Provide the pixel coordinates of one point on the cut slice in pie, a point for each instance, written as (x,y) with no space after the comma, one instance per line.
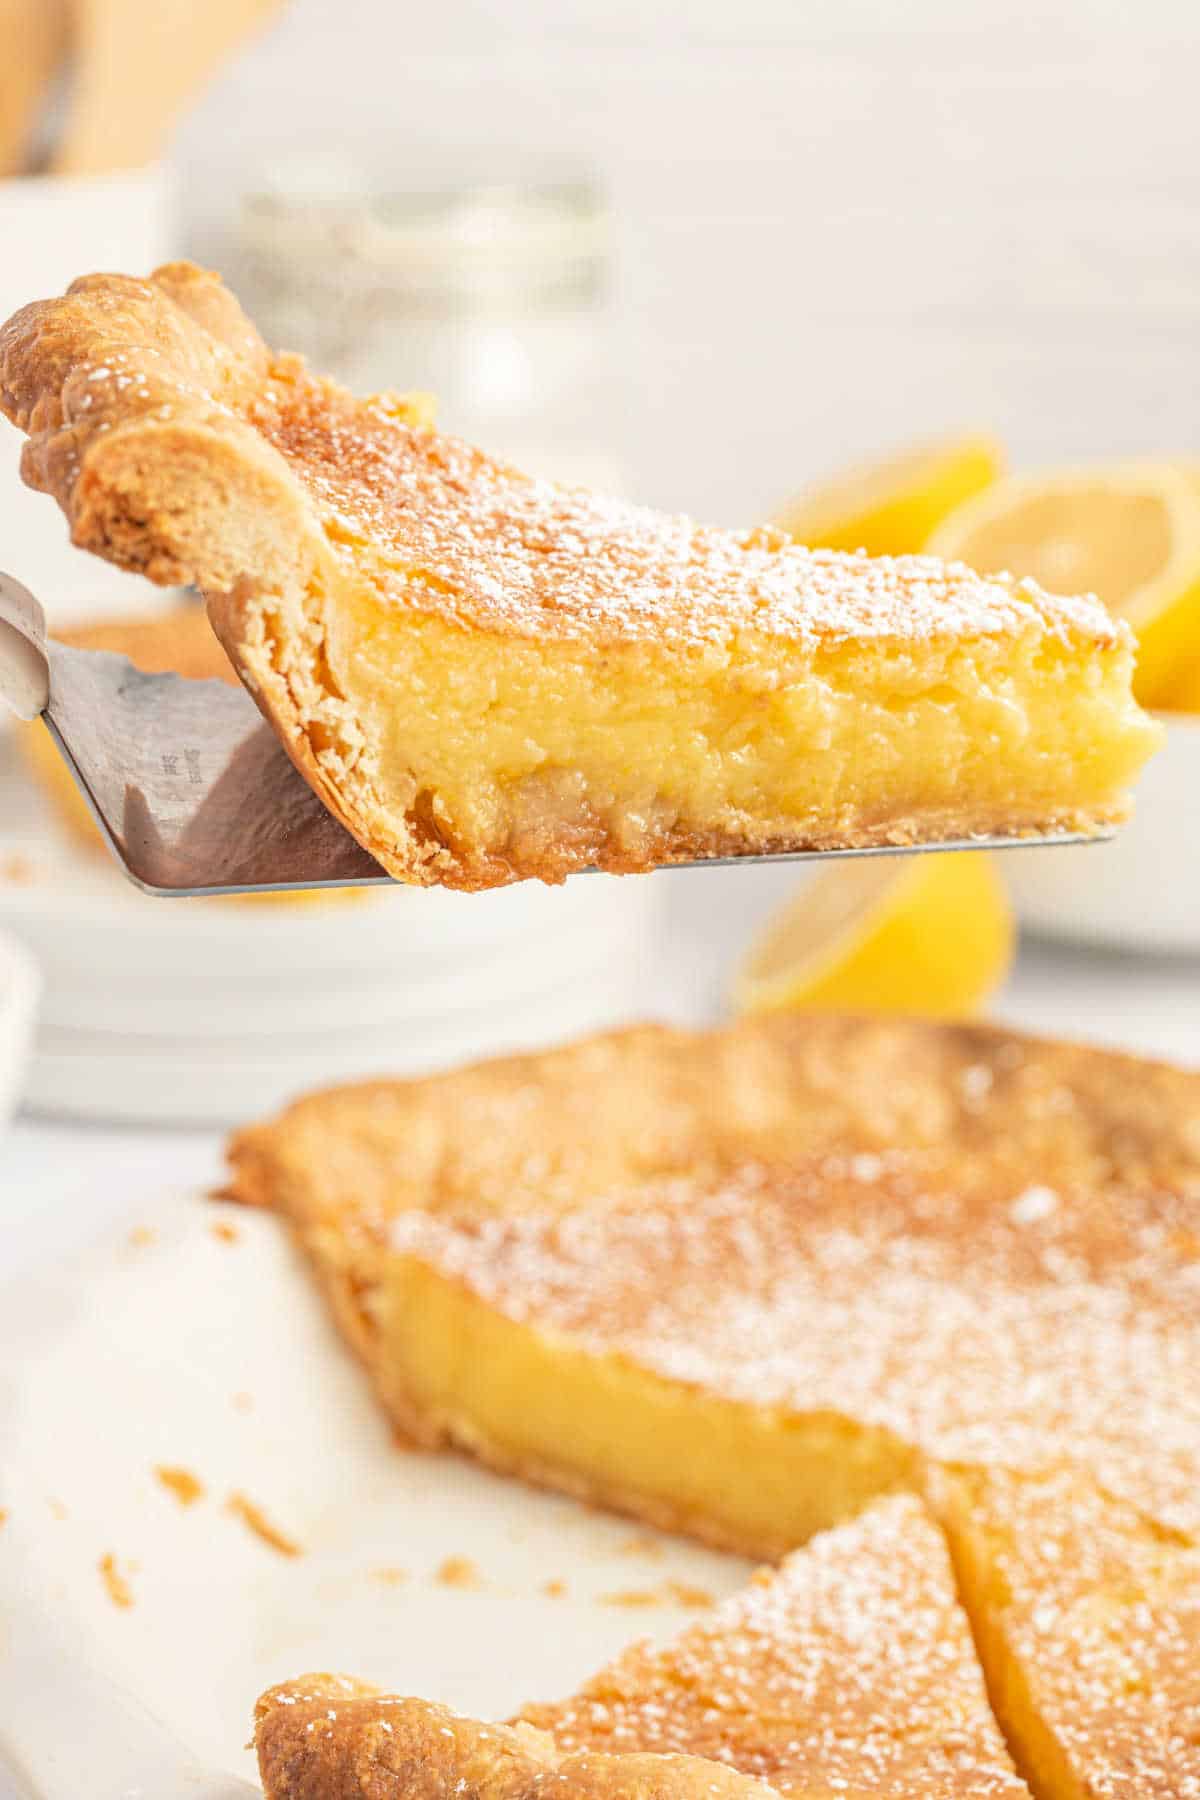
(487,677)
(849,1671)
(1087,1616)
(739,1283)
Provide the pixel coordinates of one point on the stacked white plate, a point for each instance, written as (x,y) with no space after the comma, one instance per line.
(204,1012)
(18,1004)
(1140,892)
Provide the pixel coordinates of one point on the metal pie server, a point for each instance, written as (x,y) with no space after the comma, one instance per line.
(192,790)
(190,787)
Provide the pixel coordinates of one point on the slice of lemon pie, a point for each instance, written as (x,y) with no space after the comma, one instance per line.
(1087,1617)
(487,677)
(849,1671)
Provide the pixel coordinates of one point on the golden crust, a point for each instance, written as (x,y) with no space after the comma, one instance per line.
(133,395)
(979,1246)
(849,1670)
(1012,1202)
(178,445)
(144,406)
(1087,1617)
(554,1128)
(327,1737)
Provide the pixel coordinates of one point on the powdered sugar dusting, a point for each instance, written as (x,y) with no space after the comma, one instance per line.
(1102,1614)
(442,527)
(455,530)
(850,1669)
(976,1332)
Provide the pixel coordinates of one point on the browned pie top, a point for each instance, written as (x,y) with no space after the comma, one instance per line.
(849,1670)
(1101,1611)
(178,444)
(592,1121)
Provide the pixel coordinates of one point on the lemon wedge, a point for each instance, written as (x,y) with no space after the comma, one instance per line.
(930,935)
(890,507)
(1130,534)
(1183,694)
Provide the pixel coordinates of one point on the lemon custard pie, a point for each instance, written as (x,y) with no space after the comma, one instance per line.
(738,1282)
(487,677)
(757,1283)
(852,1670)
(849,1670)
(1087,1615)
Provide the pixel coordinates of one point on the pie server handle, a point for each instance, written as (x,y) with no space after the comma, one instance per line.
(187,783)
(24,666)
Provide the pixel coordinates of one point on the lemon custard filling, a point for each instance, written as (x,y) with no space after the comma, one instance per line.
(516,736)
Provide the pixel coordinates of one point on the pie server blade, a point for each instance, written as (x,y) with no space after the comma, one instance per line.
(192,790)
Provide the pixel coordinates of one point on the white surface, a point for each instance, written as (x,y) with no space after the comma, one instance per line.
(1141,892)
(19,989)
(127,1371)
(217,1357)
(195,1012)
(842,224)
(148,1080)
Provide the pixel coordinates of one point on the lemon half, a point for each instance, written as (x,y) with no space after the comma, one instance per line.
(1129,534)
(929,934)
(890,507)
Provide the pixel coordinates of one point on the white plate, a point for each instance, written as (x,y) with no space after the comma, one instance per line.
(82,916)
(1141,892)
(242,1001)
(196,1012)
(216,1357)
(132,1079)
(19,988)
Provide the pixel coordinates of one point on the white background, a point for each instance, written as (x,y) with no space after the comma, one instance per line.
(840,224)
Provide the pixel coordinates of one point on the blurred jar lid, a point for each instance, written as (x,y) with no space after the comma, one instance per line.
(469,236)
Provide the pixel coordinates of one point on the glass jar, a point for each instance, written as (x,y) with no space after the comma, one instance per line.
(492,295)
